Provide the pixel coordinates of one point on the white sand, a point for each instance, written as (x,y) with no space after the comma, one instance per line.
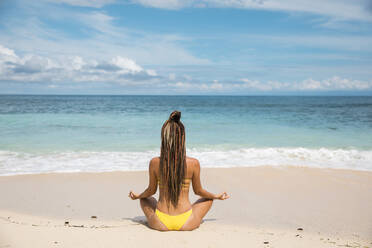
(333,207)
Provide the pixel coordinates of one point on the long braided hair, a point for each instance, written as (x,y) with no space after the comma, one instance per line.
(173,157)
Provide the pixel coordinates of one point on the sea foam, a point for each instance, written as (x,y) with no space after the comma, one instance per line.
(12,163)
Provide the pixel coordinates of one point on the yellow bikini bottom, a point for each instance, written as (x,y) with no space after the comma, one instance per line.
(173,222)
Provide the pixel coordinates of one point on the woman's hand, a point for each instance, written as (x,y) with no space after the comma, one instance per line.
(222,196)
(133,195)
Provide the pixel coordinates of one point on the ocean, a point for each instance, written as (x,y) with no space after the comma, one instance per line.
(44,133)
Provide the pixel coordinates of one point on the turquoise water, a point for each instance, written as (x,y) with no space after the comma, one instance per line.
(103,133)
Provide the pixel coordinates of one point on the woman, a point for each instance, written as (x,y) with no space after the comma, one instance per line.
(174,172)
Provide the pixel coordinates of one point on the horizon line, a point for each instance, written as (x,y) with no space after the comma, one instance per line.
(216,95)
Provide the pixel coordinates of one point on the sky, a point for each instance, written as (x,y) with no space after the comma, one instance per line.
(186,47)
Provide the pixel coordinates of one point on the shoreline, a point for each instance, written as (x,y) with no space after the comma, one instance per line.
(17,162)
(203,168)
(330,204)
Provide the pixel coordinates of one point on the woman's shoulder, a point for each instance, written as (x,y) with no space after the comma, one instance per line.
(192,161)
(154,163)
(155,160)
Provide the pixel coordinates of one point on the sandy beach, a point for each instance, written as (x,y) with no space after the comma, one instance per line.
(269,207)
(272,97)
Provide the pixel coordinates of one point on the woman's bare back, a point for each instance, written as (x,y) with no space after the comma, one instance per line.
(184,203)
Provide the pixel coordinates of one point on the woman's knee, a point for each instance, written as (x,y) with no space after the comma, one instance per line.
(205,202)
(201,207)
(149,201)
(143,201)
(190,228)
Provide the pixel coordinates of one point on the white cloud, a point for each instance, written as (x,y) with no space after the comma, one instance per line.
(341,9)
(183,85)
(151,72)
(126,65)
(334,83)
(34,68)
(190,86)
(165,4)
(84,3)
(331,84)
(337,9)
(120,70)
(248,85)
(342,42)
(77,62)
(216,85)
(339,42)
(7,52)
(254,84)
(102,39)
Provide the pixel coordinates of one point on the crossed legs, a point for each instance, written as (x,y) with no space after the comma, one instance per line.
(199,209)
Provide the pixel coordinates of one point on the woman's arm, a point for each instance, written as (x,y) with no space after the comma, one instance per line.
(151,189)
(198,189)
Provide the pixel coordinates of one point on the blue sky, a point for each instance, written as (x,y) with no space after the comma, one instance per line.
(265,47)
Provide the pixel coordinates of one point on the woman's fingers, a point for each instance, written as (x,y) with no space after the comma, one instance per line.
(224,196)
(132,195)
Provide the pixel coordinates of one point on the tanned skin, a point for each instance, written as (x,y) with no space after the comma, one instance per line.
(199,208)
